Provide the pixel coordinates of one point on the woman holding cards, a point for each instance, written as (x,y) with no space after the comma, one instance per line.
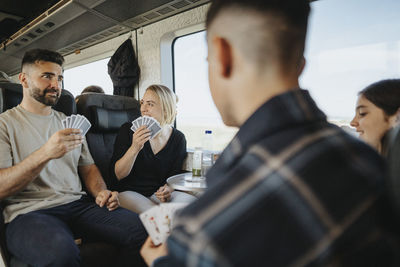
(142,163)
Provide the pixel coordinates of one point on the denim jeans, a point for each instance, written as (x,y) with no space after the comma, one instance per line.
(46,237)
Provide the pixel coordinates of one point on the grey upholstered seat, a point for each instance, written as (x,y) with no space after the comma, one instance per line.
(106,113)
(393,177)
(11,96)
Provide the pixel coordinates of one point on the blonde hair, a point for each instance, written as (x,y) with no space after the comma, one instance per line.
(168,101)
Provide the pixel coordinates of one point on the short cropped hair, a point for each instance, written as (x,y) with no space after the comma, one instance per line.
(280,30)
(168,101)
(384,94)
(93,89)
(35,55)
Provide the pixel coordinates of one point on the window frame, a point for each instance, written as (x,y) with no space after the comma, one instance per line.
(167,52)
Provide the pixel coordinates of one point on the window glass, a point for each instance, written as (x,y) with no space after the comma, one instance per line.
(350,45)
(196,109)
(94,73)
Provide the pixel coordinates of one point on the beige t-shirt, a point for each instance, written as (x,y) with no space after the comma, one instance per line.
(23,132)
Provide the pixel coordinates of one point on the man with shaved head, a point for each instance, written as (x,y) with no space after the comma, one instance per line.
(290,189)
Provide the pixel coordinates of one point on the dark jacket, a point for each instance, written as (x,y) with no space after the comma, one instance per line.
(124,69)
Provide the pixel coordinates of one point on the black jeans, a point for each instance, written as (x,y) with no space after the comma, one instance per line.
(46,237)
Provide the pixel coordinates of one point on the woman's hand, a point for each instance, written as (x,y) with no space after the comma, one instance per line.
(141,136)
(164,193)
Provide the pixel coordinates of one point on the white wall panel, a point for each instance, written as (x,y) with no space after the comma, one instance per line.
(149,43)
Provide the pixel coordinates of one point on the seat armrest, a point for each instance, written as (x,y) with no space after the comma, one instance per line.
(3,261)
(5,257)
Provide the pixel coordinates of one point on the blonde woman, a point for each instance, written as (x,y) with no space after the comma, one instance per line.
(142,165)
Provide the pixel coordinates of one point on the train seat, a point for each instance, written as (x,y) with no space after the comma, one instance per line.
(393,160)
(106,113)
(11,96)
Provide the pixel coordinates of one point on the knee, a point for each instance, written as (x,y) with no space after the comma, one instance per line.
(134,201)
(42,240)
(182,197)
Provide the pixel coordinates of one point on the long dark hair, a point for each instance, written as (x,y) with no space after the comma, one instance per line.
(384,94)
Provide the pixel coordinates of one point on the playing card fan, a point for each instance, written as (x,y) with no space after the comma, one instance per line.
(77,122)
(159,220)
(152,124)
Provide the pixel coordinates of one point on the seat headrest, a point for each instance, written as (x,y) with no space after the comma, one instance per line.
(107,113)
(11,95)
(393,176)
(109,120)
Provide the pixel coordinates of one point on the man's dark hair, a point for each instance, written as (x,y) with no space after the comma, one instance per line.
(289,35)
(384,94)
(34,55)
(93,89)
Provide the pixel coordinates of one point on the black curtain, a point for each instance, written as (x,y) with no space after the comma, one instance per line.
(124,69)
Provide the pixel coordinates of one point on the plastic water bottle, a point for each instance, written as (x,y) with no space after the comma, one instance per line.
(196,165)
(207,160)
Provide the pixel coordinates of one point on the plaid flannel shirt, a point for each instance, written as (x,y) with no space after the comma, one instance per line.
(290,189)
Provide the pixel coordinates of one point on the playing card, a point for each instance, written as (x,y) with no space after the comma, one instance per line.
(159,220)
(73,118)
(150,121)
(134,126)
(139,122)
(166,217)
(68,120)
(142,120)
(133,122)
(85,126)
(149,221)
(154,128)
(78,121)
(146,120)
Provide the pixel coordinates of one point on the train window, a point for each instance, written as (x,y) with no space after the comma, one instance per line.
(196,110)
(350,45)
(343,56)
(94,73)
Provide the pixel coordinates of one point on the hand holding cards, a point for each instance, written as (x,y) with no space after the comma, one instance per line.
(158,220)
(77,122)
(152,124)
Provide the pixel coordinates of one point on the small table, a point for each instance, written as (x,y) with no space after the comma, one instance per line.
(185,182)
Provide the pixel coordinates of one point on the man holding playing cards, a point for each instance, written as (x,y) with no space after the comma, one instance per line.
(40,161)
(290,189)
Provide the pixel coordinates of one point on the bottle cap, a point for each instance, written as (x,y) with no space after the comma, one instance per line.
(208,132)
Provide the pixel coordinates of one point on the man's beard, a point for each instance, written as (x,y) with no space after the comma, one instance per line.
(48,101)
